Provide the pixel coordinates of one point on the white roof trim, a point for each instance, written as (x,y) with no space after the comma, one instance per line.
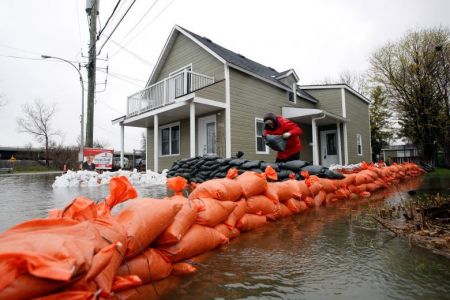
(335,86)
(118,120)
(169,42)
(295,112)
(291,72)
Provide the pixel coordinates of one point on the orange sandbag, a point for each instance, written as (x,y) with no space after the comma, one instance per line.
(144,219)
(149,266)
(120,190)
(281,212)
(214,211)
(348,180)
(304,190)
(79,209)
(228,231)
(250,221)
(296,206)
(329,186)
(176,184)
(69,295)
(223,189)
(199,239)
(331,198)
(237,213)
(309,201)
(183,269)
(315,188)
(271,173)
(125,282)
(260,205)
(252,183)
(294,188)
(180,225)
(36,262)
(278,192)
(319,198)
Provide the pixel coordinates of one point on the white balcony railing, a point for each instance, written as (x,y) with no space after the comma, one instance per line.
(166,91)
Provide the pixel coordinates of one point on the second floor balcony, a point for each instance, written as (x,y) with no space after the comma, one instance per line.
(166,91)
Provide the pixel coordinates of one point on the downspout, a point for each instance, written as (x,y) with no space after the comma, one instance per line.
(315,139)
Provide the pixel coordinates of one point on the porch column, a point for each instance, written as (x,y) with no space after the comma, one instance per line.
(155,143)
(345,145)
(192,127)
(122,143)
(338,130)
(316,156)
(315,143)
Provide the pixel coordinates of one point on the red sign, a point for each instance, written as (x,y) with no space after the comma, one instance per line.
(101,158)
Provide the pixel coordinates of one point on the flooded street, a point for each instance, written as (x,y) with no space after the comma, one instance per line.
(325,253)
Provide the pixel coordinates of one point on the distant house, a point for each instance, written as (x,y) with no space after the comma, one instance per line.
(204,99)
(400,153)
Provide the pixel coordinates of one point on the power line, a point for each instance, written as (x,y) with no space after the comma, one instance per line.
(110,16)
(117,25)
(140,20)
(134,54)
(146,26)
(18,49)
(20,57)
(118,77)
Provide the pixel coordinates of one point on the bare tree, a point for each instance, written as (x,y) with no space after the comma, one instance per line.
(98,143)
(355,80)
(37,122)
(414,73)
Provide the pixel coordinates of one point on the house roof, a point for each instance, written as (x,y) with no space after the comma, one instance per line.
(243,63)
(336,86)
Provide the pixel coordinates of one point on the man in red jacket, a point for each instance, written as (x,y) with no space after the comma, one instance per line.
(277,125)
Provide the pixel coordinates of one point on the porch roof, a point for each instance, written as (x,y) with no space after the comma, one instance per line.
(176,111)
(306,115)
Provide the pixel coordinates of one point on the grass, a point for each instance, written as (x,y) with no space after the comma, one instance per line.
(439,172)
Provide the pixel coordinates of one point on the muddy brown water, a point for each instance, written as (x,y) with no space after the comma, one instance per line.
(325,253)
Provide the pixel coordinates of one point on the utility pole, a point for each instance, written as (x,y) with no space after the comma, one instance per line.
(92,11)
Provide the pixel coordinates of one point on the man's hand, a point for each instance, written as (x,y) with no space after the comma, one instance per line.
(286,135)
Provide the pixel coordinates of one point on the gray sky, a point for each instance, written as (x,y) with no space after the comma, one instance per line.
(319,39)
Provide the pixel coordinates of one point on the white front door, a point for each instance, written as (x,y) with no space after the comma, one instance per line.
(207,135)
(328,148)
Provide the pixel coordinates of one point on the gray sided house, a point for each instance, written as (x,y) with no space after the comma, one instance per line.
(204,99)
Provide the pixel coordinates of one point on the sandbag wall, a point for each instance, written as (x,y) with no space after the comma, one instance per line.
(201,168)
(89,253)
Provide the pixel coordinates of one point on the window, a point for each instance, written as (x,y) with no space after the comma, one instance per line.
(331,144)
(359,144)
(261,147)
(291,97)
(170,139)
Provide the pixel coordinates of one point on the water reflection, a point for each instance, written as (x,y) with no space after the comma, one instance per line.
(325,253)
(24,197)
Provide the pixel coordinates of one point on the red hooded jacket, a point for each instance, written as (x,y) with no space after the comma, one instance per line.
(293,144)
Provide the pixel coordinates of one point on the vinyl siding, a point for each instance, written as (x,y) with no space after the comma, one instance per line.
(329,100)
(358,114)
(251,98)
(184,52)
(214,92)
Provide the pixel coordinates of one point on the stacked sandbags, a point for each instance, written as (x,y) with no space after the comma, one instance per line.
(88,252)
(199,169)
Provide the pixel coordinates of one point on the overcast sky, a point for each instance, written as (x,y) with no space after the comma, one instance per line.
(318,39)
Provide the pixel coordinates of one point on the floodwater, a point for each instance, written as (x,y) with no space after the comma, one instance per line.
(327,253)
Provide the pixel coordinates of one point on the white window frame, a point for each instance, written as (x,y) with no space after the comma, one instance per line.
(170,139)
(180,70)
(359,143)
(256,137)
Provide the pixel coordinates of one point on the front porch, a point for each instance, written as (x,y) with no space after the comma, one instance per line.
(328,132)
